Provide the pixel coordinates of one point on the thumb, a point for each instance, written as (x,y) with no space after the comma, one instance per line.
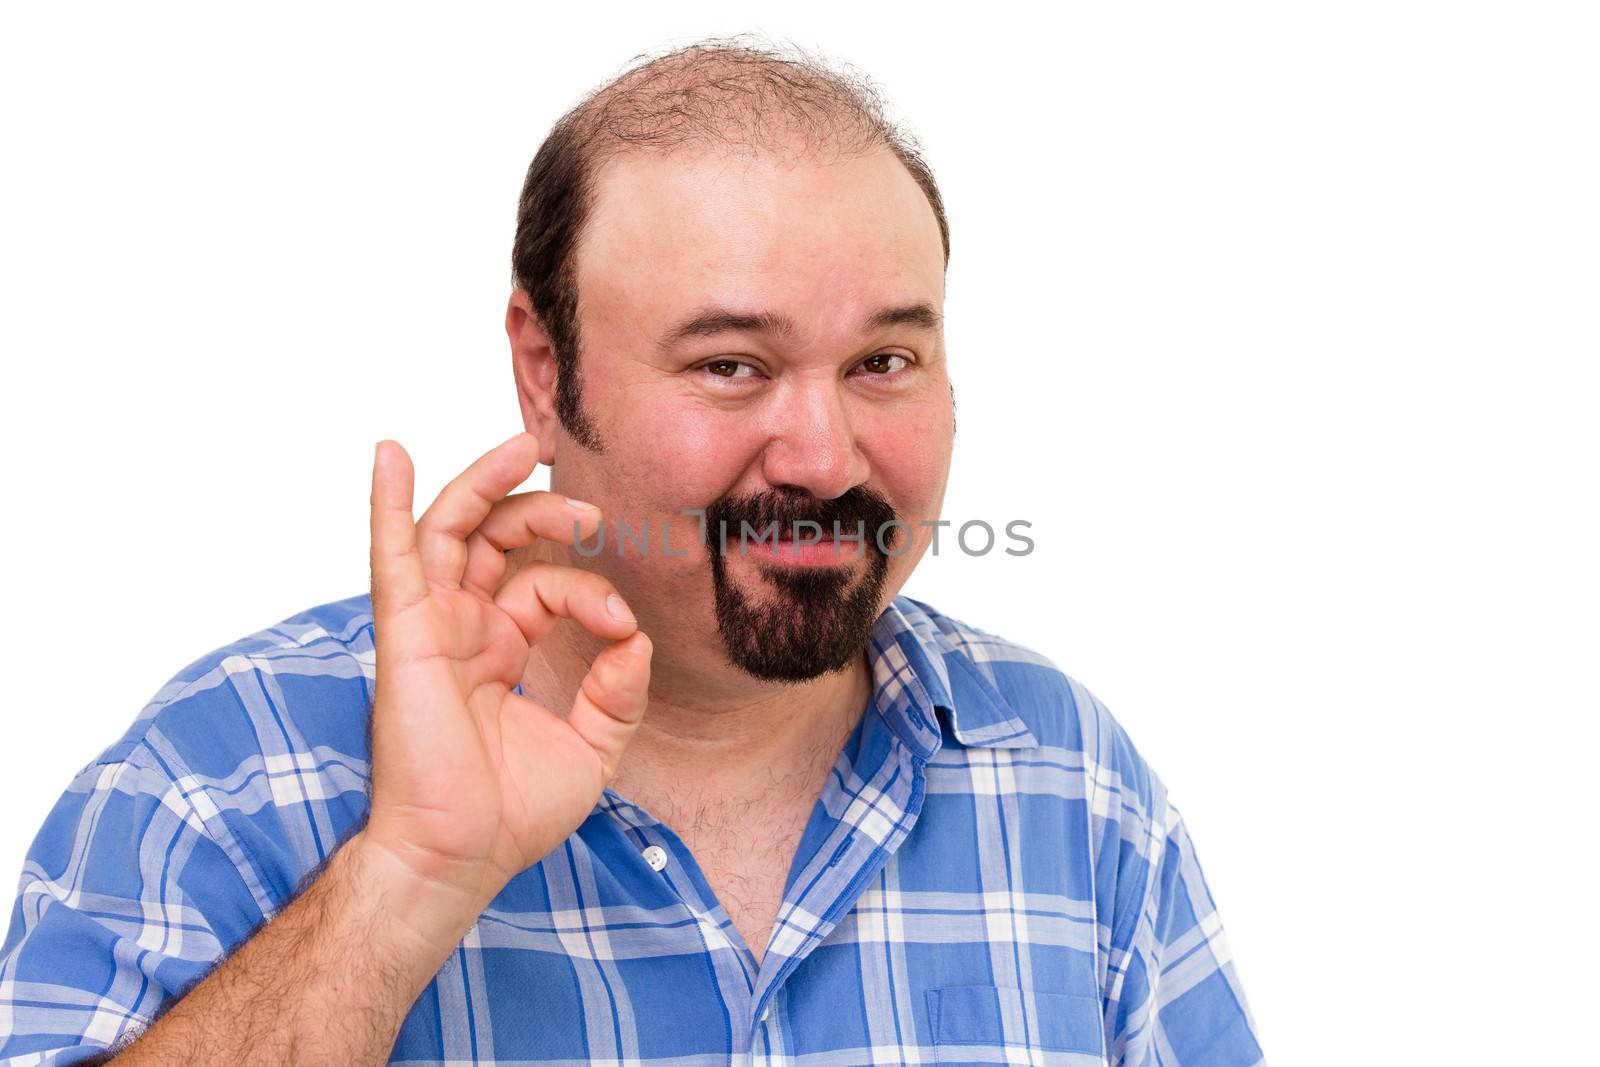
(612,698)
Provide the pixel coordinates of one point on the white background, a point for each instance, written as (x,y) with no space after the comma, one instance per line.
(1279,324)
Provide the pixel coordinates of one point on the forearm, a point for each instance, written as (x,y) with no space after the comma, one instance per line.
(328,980)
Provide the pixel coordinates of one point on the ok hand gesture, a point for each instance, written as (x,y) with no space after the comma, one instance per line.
(472,783)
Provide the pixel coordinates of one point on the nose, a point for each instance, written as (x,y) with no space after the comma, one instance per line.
(812,442)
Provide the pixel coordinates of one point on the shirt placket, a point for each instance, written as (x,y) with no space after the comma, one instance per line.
(878,812)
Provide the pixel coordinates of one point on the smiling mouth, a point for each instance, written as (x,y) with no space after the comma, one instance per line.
(826,552)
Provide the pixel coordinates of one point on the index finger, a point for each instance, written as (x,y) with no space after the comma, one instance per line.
(397,580)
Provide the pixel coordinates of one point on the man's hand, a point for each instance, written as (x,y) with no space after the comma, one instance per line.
(472,783)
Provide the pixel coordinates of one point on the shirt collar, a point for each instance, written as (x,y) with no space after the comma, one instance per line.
(918,668)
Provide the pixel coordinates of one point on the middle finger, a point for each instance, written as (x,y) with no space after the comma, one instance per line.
(519,520)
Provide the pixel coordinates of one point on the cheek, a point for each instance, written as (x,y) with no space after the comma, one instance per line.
(667,456)
(910,460)
(661,458)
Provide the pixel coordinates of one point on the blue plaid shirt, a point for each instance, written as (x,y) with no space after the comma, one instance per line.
(992,875)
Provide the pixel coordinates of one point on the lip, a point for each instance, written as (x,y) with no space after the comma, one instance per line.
(824,553)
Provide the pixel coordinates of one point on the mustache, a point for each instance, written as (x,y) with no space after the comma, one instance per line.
(856,509)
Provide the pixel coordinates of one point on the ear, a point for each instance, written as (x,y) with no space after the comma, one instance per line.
(533,362)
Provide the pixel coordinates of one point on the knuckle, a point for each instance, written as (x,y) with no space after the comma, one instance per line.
(597,586)
(612,673)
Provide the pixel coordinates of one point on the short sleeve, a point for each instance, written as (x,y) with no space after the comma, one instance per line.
(1180,1003)
(1170,995)
(125,900)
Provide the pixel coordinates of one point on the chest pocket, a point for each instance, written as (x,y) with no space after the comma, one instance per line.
(976,1024)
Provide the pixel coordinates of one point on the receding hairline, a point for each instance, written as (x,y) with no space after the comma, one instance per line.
(737,94)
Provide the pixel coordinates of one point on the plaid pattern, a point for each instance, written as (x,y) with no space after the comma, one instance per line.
(991,876)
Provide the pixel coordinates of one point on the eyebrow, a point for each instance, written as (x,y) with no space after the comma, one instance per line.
(712,321)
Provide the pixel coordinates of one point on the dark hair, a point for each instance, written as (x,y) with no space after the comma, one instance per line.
(729,90)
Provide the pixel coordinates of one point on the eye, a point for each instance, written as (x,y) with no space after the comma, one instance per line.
(728,368)
(882,364)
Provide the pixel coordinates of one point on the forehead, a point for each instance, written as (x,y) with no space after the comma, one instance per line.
(666,230)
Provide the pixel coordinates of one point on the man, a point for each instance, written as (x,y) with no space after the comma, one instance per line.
(804,820)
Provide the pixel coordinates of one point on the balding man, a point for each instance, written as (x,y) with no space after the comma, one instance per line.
(481,817)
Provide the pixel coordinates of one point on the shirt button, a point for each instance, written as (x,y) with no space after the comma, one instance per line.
(655,856)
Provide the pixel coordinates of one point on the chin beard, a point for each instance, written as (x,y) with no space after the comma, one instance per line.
(811,623)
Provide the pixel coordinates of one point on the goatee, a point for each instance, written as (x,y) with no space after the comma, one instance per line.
(814,620)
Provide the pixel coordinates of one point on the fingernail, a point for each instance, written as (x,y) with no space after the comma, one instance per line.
(618,609)
(583,504)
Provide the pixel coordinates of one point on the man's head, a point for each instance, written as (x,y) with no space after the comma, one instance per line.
(729,274)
